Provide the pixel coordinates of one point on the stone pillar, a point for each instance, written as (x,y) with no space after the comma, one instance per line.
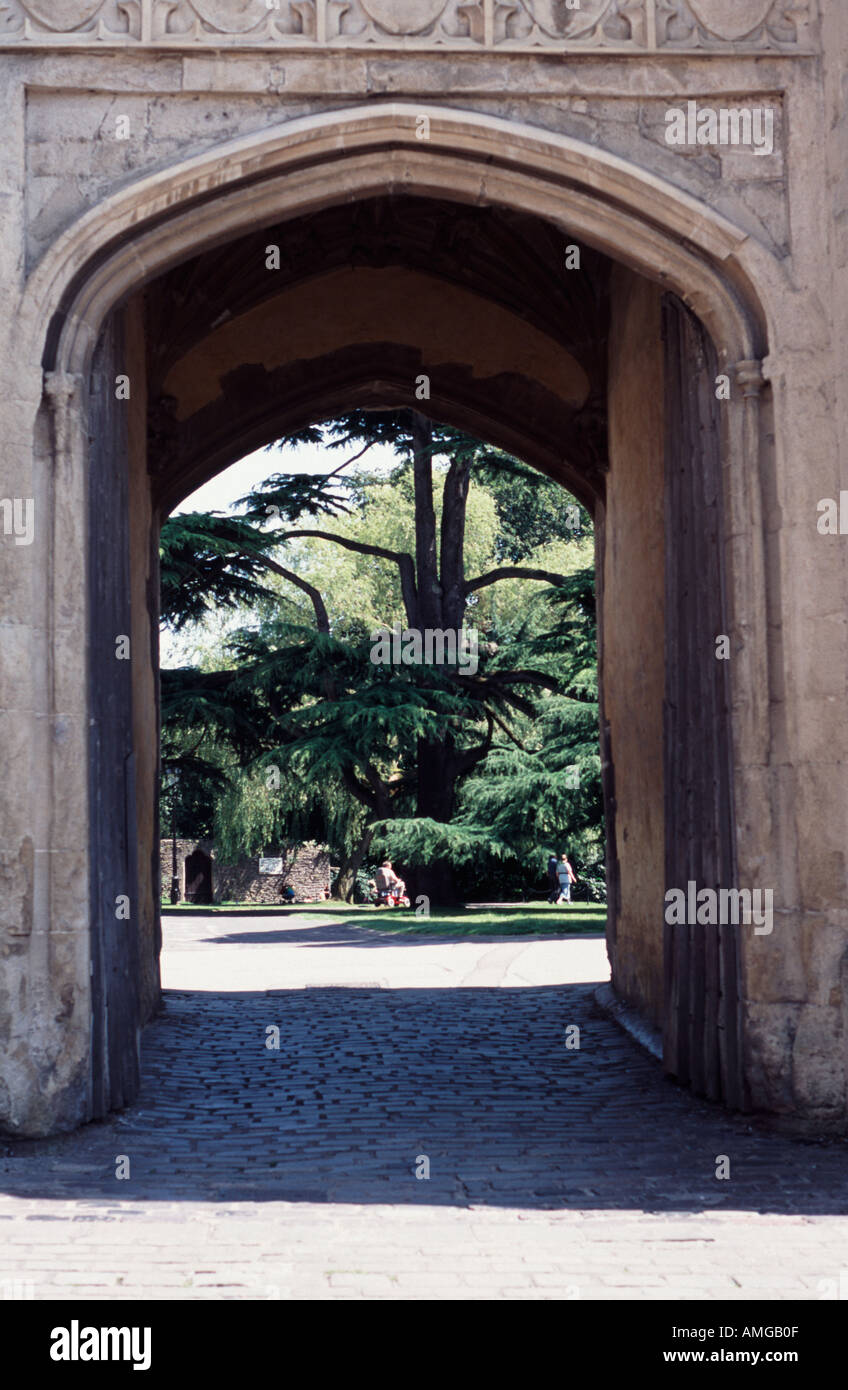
(792,825)
(45,994)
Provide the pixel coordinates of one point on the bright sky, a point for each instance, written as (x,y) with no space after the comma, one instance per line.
(223,491)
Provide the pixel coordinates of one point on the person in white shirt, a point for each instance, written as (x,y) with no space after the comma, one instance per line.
(566,876)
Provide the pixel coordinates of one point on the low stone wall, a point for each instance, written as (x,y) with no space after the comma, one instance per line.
(306,867)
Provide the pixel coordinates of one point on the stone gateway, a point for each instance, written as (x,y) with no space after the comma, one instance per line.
(423,168)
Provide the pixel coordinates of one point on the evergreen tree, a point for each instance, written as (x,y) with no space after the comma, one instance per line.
(539,790)
(401,741)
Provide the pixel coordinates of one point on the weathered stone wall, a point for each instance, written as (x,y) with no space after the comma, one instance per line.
(166,860)
(45,918)
(792,800)
(306,867)
(176,109)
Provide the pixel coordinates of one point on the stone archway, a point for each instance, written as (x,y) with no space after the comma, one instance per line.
(630,217)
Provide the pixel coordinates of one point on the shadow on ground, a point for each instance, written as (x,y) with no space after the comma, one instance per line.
(358,930)
(339,934)
(368,1082)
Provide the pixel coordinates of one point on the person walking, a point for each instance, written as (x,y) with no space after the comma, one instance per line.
(565,877)
(553,881)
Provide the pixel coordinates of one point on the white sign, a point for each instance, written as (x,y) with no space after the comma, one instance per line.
(270,866)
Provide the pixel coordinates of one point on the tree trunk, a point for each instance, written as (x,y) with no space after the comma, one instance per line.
(437,774)
(437,770)
(452,556)
(426,558)
(346,881)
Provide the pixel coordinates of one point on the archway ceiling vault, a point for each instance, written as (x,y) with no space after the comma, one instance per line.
(512,264)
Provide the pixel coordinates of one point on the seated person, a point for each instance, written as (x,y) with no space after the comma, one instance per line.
(387,882)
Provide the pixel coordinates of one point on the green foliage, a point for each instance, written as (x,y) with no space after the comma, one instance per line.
(213,707)
(532,510)
(298,734)
(538,792)
(190,788)
(209,728)
(421,840)
(249,818)
(209,561)
(362,890)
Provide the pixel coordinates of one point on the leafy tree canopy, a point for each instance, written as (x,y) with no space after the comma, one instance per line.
(454,771)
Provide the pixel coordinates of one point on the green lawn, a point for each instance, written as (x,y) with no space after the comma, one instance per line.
(519,919)
(523,919)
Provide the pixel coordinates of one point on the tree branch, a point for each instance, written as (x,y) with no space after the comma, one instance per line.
(511,572)
(322,620)
(349,461)
(508,731)
(518,677)
(471,756)
(355,787)
(405,562)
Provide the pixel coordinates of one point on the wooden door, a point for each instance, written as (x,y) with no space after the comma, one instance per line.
(198,877)
(115,1023)
(702,1012)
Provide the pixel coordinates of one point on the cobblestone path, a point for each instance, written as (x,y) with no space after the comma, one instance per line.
(256,1172)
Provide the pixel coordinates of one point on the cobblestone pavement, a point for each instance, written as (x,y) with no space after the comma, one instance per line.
(553,1172)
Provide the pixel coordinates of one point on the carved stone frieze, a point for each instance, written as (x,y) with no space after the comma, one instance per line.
(782,26)
(70,22)
(61,14)
(761,25)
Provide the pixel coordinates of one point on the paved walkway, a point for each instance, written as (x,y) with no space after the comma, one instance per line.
(553,1172)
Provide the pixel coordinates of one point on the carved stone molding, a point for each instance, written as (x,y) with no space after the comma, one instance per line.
(750,376)
(743,25)
(637,26)
(63,391)
(70,22)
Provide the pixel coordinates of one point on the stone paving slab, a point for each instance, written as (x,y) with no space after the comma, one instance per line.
(258,1172)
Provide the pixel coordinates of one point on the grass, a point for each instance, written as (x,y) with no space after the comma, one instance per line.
(517,919)
(521,919)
